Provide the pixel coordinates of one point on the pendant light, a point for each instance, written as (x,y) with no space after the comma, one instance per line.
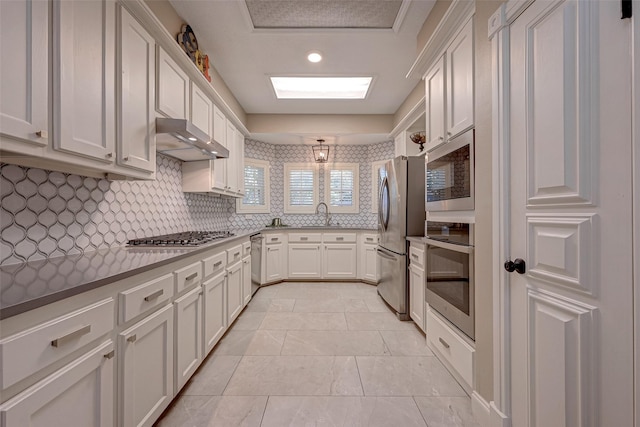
(321,152)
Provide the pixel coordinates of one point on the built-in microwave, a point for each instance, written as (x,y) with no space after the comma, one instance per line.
(450,175)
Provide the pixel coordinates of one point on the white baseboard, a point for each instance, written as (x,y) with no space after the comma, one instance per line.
(487,414)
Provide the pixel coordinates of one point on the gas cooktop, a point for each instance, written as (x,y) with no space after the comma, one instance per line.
(187,238)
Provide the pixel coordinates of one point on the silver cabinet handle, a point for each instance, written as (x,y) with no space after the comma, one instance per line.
(217,264)
(132,338)
(109,155)
(154,295)
(70,336)
(443,342)
(339,238)
(236,254)
(42,134)
(369,239)
(414,256)
(246,261)
(274,239)
(110,354)
(191,276)
(441,138)
(125,158)
(449,133)
(304,238)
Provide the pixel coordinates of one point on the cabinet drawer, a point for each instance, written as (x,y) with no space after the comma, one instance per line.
(451,347)
(135,301)
(214,264)
(305,237)
(29,351)
(339,237)
(188,277)
(370,239)
(271,239)
(416,255)
(246,249)
(234,254)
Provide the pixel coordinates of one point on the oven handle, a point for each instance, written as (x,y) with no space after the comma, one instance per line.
(450,246)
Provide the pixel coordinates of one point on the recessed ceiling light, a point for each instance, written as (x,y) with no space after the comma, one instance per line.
(192,138)
(321,87)
(314,56)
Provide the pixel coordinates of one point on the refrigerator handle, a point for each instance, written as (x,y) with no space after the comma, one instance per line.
(384,254)
(383,217)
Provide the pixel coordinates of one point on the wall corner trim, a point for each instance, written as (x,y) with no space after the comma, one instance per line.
(486,413)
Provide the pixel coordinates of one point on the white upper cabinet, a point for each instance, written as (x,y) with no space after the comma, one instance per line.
(460,82)
(173,88)
(24,51)
(136,101)
(240,162)
(201,110)
(232,168)
(219,126)
(449,91)
(83,78)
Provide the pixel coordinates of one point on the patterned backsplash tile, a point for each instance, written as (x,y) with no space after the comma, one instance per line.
(45,214)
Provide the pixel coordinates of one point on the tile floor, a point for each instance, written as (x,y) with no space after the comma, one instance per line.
(320,354)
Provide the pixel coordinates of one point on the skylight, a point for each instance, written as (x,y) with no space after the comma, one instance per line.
(321,87)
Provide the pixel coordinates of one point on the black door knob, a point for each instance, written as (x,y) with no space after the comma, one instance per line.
(519,266)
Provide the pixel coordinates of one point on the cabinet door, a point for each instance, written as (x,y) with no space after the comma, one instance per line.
(416,295)
(81,393)
(215,310)
(435,105)
(234,295)
(400,145)
(136,101)
(370,263)
(339,261)
(188,345)
(84,81)
(232,161)
(146,369)
(173,88)
(24,33)
(246,280)
(460,82)
(240,161)
(305,261)
(219,126)
(201,110)
(274,261)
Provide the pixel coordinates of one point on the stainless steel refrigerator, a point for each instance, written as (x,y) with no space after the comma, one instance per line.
(401,213)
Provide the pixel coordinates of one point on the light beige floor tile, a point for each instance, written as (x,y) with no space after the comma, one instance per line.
(446,411)
(304,321)
(204,411)
(270,305)
(376,322)
(249,321)
(295,375)
(376,304)
(334,343)
(307,292)
(212,377)
(256,343)
(406,376)
(359,290)
(267,292)
(406,343)
(330,306)
(295,411)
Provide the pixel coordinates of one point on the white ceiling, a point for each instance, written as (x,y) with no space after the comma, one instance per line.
(245,57)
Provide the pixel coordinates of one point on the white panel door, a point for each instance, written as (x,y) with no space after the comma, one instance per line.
(416,296)
(571,216)
(240,161)
(274,262)
(215,310)
(136,101)
(305,261)
(460,82)
(234,295)
(146,369)
(246,280)
(24,35)
(232,161)
(219,126)
(188,338)
(80,393)
(435,105)
(173,88)
(369,263)
(201,110)
(339,261)
(84,81)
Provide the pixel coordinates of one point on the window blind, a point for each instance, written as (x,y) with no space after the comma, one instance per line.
(341,187)
(301,187)
(254,186)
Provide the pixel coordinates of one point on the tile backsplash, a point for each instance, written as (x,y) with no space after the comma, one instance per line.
(46,214)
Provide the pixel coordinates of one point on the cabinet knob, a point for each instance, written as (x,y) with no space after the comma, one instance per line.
(42,134)
(449,134)
(125,158)
(108,155)
(132,338)
(110,355)
(441,138)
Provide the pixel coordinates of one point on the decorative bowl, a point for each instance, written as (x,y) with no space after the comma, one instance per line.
(419,138)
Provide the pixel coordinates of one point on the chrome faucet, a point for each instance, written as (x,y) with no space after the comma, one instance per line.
(327,217)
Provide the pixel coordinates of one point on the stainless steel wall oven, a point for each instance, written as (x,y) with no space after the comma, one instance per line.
(449,273)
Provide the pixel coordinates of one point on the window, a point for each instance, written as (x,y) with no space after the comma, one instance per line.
(256,188)
(375,183)
(300,188)
(341,187)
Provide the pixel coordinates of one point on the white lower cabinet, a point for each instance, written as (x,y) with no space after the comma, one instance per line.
(305,261)
(368,267)
(188,344)
(339,261)
(246,280)
(416,296)
(214,311)
(274,262)
(80,393)
(146,369)
(234,294)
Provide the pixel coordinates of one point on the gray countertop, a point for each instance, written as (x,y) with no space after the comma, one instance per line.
(30,285)
(417,239)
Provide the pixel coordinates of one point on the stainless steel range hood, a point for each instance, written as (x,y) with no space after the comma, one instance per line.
(181,139)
